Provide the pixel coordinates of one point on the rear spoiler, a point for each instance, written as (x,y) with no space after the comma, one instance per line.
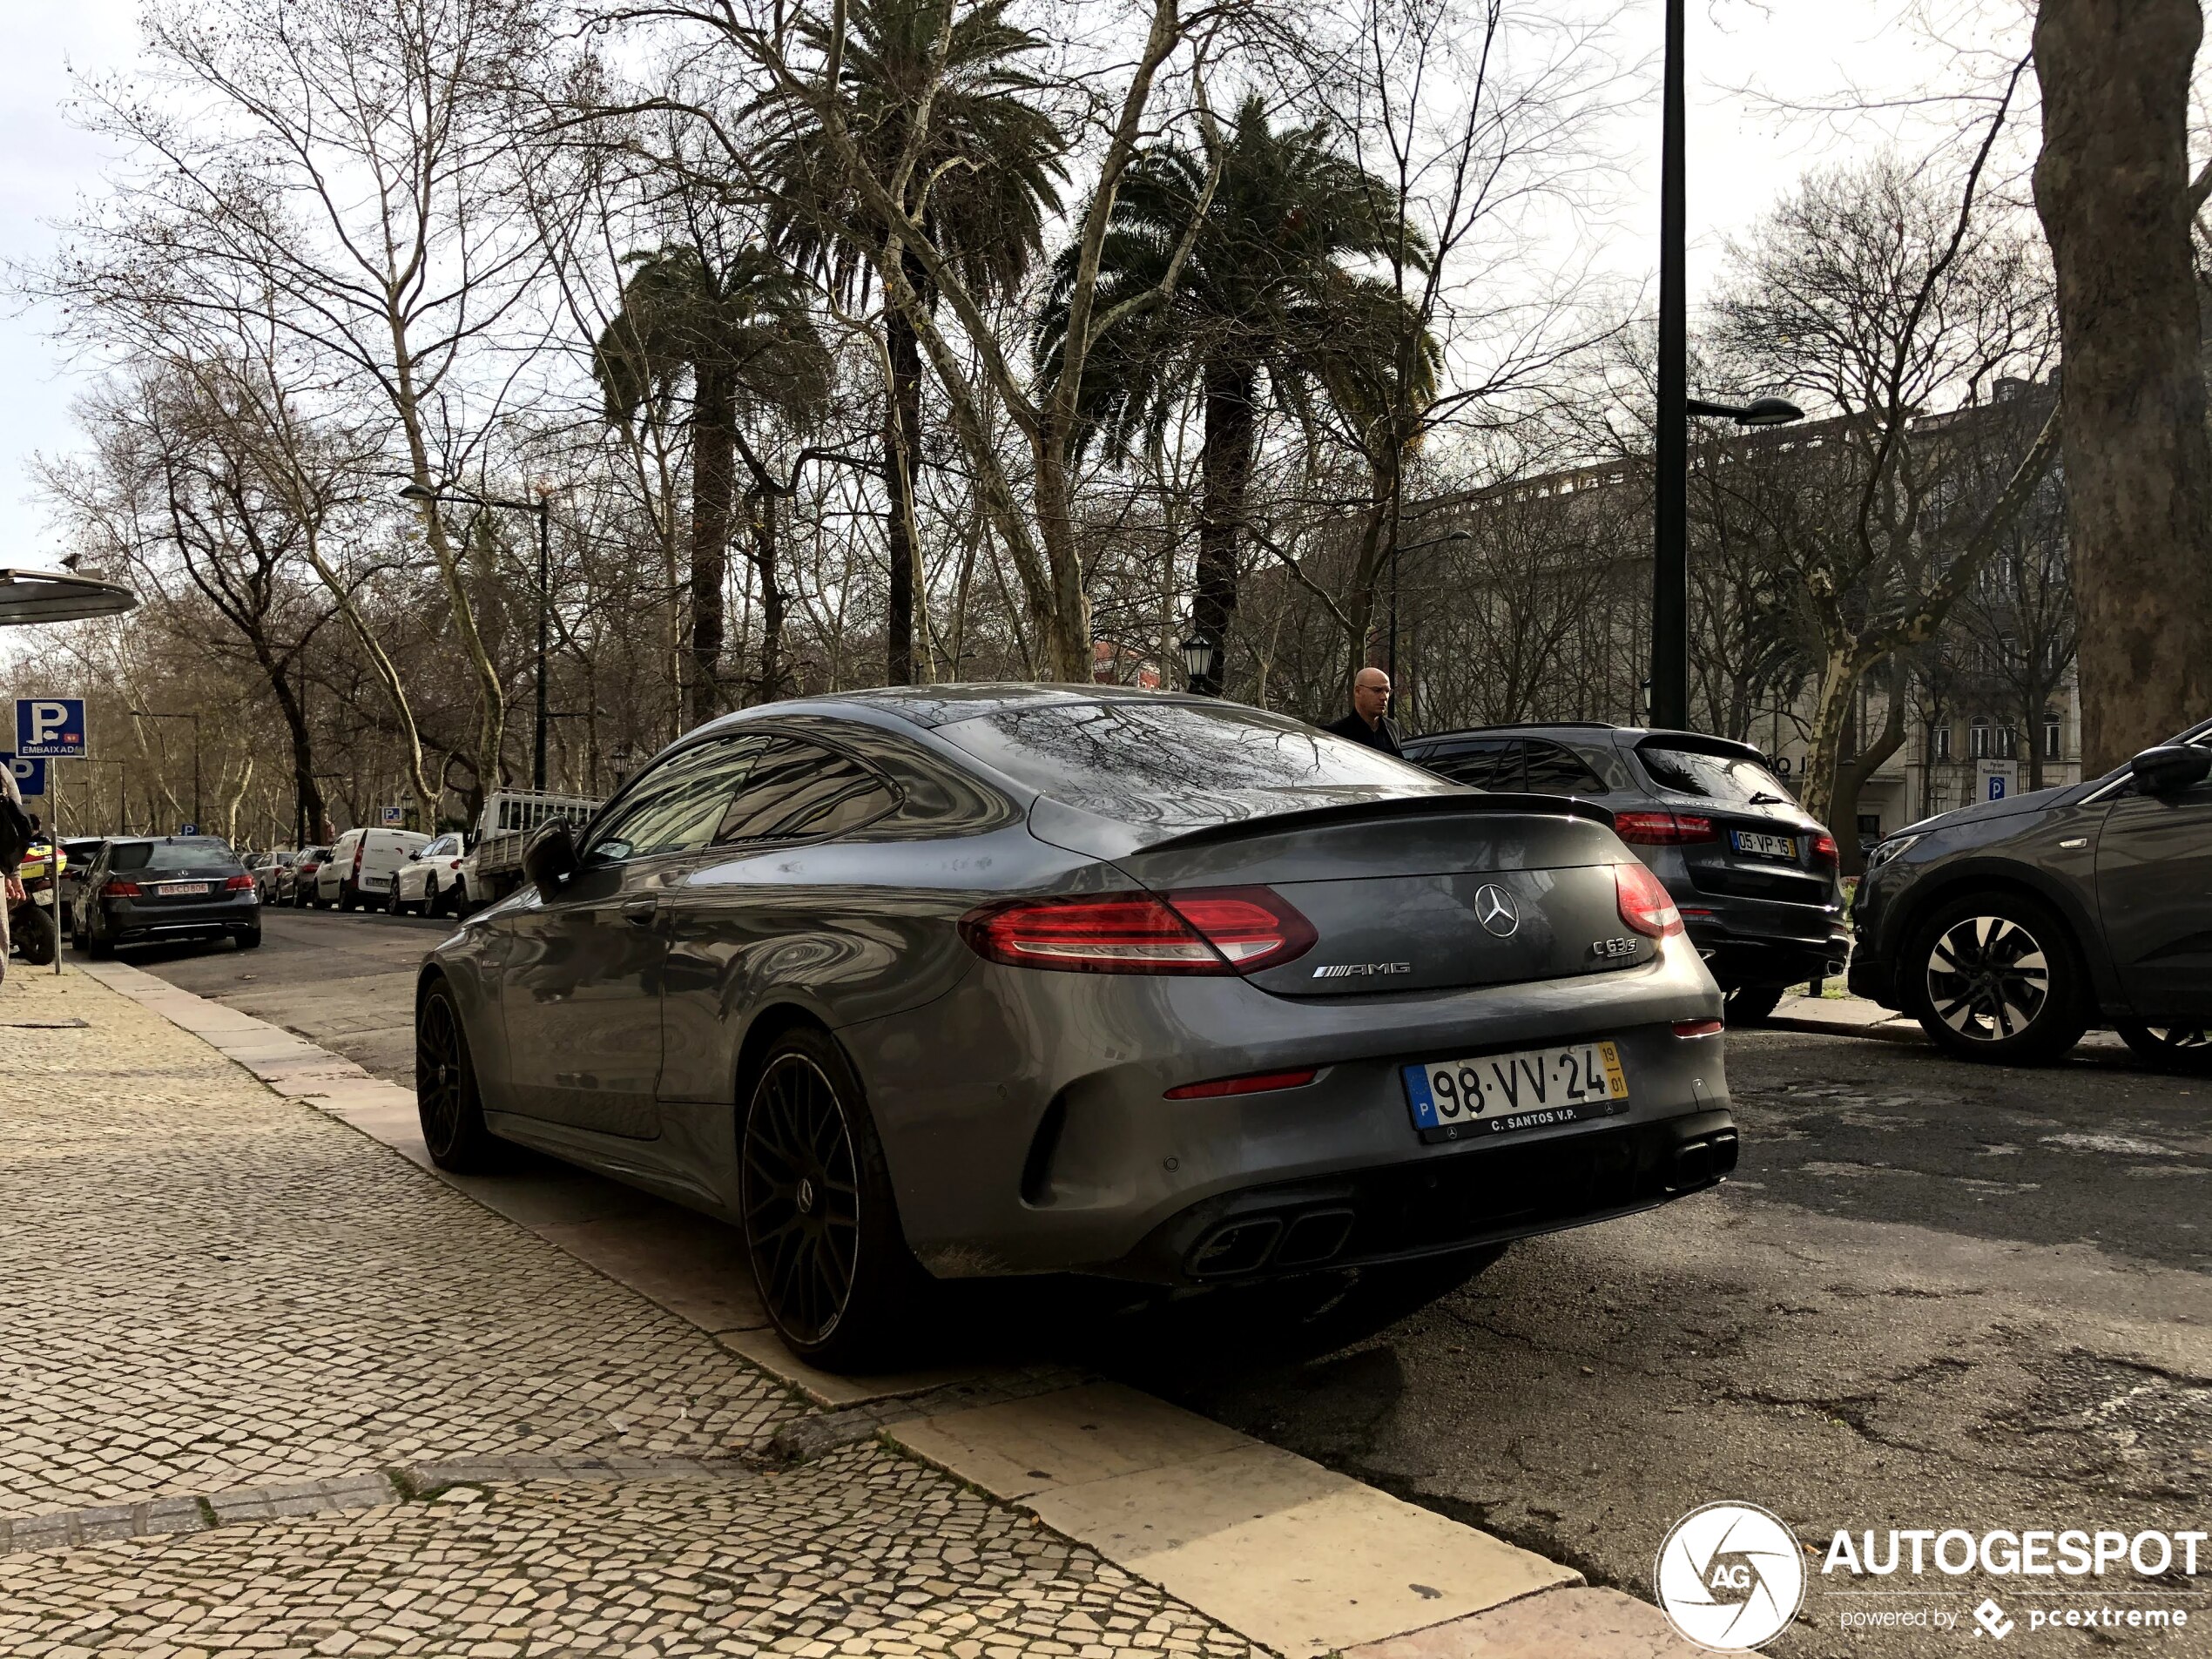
(1480,801)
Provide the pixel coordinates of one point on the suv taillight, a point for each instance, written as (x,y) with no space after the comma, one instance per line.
(1645,907)
(1663,829)
(1218,930)
(1823,848)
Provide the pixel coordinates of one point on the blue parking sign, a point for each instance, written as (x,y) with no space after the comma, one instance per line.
(31,775)
(49,728)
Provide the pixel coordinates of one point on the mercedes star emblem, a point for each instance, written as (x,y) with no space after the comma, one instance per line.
(1494,909)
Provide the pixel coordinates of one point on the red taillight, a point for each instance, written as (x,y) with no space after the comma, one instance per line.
(360,847)
(1663,829)
(1644,904)
(1258,1083)
(1219,930)
(1823,847)
(119,888)
(239,884)
(1698,1028)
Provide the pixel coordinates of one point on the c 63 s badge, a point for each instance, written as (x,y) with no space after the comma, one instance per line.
(1606,949)
(1348,970)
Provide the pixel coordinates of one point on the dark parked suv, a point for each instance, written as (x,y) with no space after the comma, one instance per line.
(2009,927)
(144,888)
(1753,876)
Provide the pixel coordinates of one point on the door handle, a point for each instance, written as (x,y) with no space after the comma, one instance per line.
(639,913)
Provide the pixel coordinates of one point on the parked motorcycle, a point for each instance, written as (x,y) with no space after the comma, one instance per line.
(33,895)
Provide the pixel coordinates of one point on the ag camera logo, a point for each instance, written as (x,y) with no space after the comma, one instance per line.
(1730,1576)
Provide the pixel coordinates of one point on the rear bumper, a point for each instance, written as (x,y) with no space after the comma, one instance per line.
(1744,947)
(126,921)
(1050,1145)
(1487,1194)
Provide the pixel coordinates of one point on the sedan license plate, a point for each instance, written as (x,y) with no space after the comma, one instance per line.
(186,890)
(1765,846)
(1494,1094)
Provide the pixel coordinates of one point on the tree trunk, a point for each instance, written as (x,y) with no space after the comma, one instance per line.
(714,474)
(772,601)
(2111,186)
(902,442)
(1225,460)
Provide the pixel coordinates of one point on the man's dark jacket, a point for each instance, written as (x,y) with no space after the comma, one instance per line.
(1380,735)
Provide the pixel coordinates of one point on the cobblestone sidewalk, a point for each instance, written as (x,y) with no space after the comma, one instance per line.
(205,1288)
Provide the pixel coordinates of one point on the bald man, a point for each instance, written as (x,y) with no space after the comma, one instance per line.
(1369,721)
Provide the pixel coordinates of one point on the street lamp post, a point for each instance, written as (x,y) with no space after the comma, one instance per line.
(1669,700)
(148,714)
(1201,661)
(1395,549)
(1668,704)
(543,508)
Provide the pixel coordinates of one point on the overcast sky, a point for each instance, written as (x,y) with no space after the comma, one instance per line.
(1741,155)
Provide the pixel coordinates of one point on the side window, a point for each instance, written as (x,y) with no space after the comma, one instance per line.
(677,805)
(799,792)
(1488,763)
(1553,769)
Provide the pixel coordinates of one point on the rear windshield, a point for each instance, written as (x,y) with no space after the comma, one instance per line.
(1730,779)
(173,855)
(1111,755)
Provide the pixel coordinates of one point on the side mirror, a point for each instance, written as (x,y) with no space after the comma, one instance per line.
(2170,768)
(549,857)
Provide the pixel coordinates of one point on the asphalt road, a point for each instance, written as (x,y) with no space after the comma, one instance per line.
(1937,1295)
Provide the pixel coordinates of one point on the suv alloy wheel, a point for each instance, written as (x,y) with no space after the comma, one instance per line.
(1994,977)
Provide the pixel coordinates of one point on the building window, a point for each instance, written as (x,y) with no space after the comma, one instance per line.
(2054,735)
(1990,740)
(1940,742)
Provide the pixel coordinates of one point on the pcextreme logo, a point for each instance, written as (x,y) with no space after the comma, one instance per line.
(1730,1576)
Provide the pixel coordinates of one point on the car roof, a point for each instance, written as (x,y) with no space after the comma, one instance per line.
(1635,735)
(929,706)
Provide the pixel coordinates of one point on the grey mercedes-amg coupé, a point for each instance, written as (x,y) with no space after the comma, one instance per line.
(958,981)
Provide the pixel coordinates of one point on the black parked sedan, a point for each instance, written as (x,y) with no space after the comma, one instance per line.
(146,888)
(971,982)
(2010,927)
(1754,875)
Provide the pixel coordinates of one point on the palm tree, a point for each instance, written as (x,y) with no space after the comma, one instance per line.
(743,332)
(1265,305)
(984,176)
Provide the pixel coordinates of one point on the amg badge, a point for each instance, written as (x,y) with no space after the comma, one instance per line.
(1346,970)
(1607,948)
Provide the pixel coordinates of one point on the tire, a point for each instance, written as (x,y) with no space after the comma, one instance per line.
(1750,1004)
(250,940)
(2187,1049)
(98,949)
(392,905)
(446,1098)
(348,899)
(34,936)
(821,1227)
(1994,977)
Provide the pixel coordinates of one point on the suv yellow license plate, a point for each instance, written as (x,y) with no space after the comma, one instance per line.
(1495,1093)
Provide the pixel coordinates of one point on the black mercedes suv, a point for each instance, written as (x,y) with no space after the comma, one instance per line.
(2009,927)
(1752,874)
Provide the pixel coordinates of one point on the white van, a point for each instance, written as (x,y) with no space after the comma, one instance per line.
(361,862)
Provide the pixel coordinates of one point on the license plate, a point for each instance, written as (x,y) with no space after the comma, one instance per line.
(1495,1093)
(1765,846)
(186,890)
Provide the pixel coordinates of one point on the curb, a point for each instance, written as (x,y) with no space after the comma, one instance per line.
(1303,1561)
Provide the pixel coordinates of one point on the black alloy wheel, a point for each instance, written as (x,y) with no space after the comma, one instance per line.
(820,1228)
(445,1089)
(2185,1049)
(1993,976)
(392,899)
